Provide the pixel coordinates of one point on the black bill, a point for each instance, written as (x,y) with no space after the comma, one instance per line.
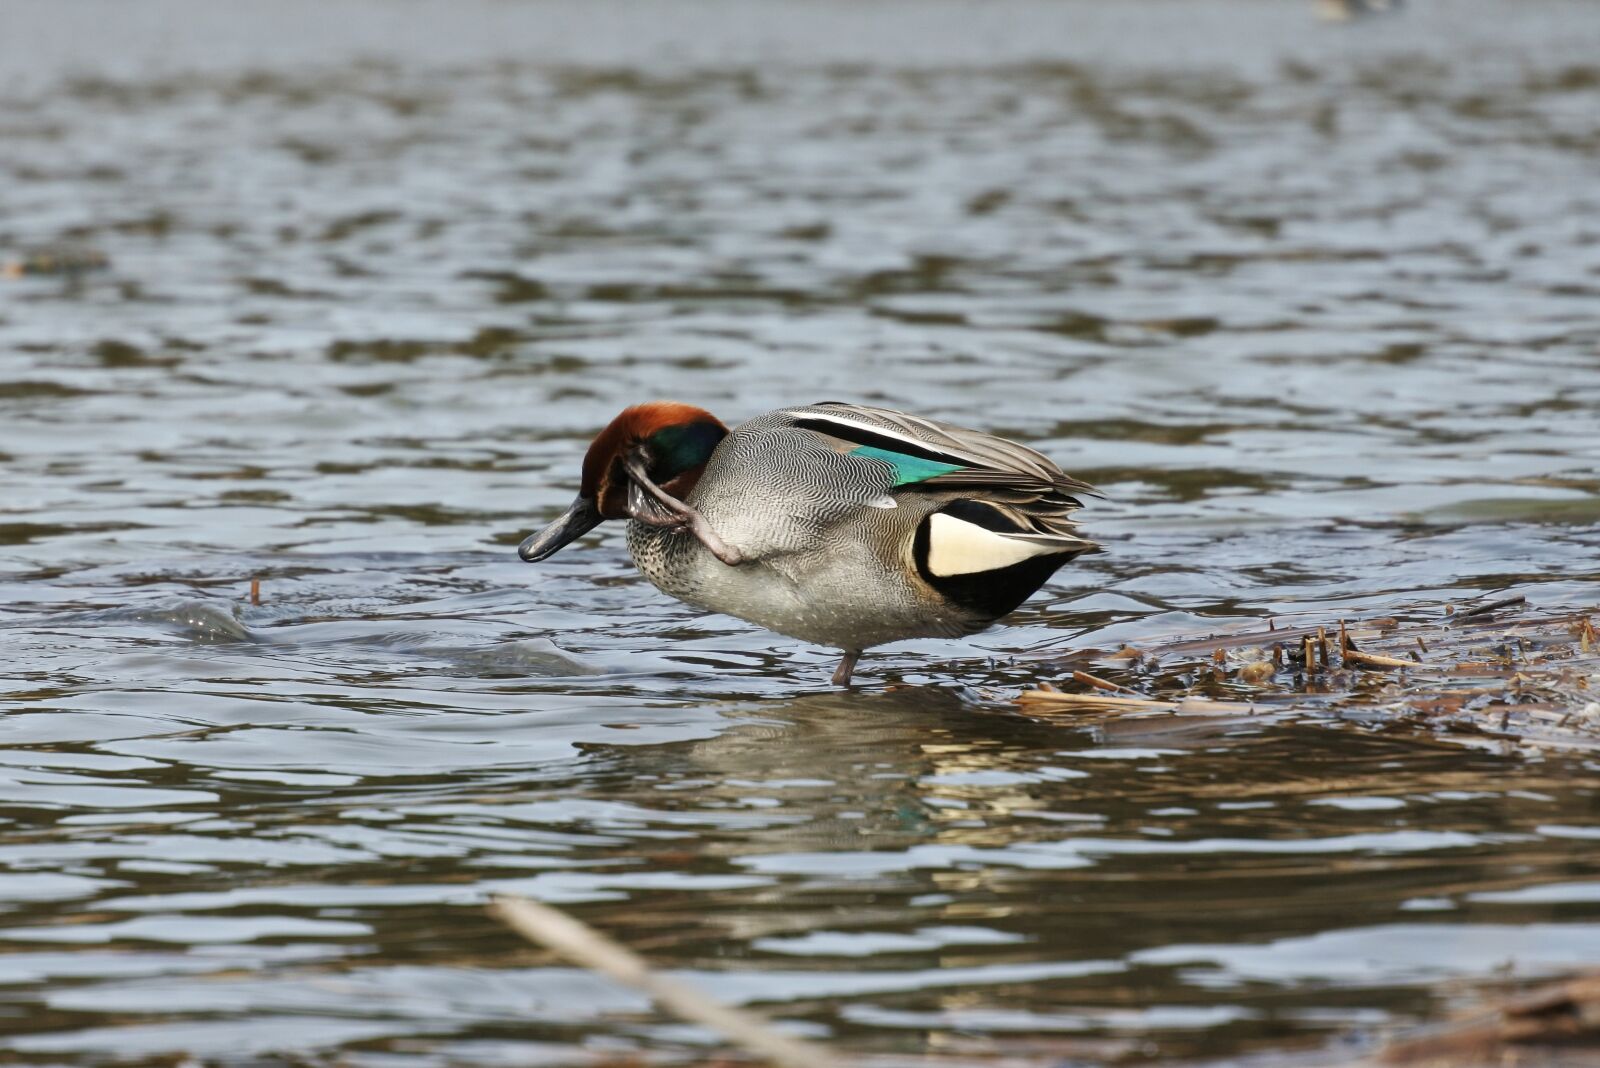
(575,522)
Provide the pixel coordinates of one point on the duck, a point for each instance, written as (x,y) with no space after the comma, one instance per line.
(839,524)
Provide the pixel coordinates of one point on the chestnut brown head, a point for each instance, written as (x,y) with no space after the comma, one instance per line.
(667,441)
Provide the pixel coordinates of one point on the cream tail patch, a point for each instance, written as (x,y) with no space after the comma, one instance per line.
(956,547)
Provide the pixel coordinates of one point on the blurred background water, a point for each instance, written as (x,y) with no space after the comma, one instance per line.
(1316,306)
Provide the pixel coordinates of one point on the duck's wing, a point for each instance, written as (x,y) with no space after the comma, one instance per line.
(1016,492)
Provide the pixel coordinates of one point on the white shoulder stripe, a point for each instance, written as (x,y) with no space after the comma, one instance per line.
(956,547)
(921,446)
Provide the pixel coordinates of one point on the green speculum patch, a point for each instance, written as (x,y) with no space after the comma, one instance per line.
(908,470)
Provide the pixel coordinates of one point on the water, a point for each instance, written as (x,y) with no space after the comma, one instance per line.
(1315,307)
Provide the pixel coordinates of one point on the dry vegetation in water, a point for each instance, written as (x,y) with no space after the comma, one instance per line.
(1498,670)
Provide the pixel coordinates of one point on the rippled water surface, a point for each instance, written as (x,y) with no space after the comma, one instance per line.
(1318,307)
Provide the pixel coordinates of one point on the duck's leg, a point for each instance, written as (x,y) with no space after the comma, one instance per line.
(847,666)
(667,511)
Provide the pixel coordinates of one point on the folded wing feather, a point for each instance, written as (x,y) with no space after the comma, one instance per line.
(936,440)
(1035,497)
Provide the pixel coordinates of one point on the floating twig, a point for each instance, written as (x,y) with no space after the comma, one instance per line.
(1492,606)
(1353,656)
(588,948)
(1105,702)
(1099,683)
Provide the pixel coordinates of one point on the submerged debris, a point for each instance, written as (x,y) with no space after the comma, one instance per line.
(1530,678)
(65,261)
(1555,1024)
(1349,10)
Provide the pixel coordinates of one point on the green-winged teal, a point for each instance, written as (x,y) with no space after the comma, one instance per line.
(834,523)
